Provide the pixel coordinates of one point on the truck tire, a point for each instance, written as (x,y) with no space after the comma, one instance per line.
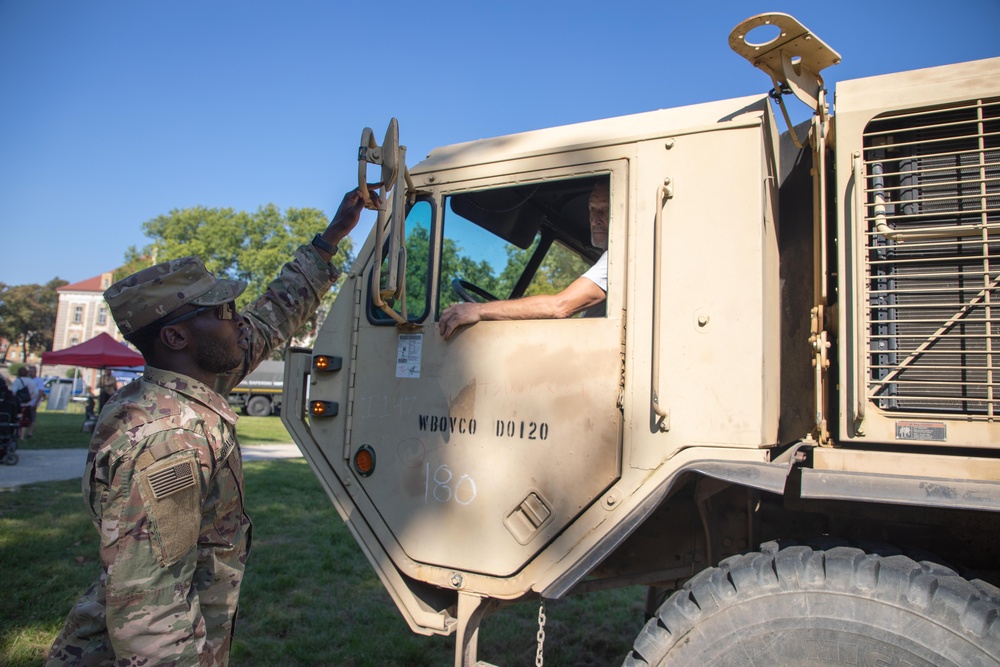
(259,406)
(843,605)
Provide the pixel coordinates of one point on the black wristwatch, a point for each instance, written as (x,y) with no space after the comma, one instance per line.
(324,245)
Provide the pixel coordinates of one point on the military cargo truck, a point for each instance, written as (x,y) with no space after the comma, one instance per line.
(785,420)
(260,393)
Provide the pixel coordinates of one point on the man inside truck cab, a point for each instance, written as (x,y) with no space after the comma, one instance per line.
(587,291)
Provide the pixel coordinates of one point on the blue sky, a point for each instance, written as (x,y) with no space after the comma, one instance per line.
(114,112)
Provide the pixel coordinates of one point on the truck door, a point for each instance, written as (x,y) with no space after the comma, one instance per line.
(488,444)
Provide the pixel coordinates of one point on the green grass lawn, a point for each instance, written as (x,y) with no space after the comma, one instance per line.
(309,598)
(62,430)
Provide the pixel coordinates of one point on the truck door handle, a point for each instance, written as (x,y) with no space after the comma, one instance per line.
(663,193)
(859,278)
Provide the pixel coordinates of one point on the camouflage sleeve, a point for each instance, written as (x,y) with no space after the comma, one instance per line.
(152,516)
(290,300)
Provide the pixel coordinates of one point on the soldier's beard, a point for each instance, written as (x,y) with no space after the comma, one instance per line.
(215,356)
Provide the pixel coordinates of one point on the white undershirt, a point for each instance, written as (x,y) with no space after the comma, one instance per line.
(598,273)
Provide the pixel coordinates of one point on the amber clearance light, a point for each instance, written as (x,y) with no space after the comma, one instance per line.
(325,363)
(364,460)
(323,408)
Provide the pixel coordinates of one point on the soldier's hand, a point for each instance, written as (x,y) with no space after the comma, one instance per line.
(349,212)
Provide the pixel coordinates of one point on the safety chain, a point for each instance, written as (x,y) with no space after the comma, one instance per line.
(541,633)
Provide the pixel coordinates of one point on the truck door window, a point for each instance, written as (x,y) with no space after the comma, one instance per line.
(516,241)
(418,225)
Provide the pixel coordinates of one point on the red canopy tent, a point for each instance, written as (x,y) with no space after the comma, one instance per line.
(102,351)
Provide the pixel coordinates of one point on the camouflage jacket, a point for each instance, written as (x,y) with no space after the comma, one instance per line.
(164,486)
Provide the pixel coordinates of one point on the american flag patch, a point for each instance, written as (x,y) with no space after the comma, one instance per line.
(171,480)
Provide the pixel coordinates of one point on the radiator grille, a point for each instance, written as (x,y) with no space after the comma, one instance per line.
(932,187)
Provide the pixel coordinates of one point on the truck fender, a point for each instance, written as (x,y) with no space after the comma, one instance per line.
(770,477)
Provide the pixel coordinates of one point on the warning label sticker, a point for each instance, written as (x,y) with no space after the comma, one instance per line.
(408,355)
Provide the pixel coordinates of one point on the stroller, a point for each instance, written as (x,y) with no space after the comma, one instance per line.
(9,425)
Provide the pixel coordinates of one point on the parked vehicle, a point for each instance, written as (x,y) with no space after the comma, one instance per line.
(260,393)
(78,388)
(788,414)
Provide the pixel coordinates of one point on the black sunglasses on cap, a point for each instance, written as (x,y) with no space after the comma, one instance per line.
(224,311)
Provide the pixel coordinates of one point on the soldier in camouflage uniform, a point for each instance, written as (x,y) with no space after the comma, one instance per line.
(164,477)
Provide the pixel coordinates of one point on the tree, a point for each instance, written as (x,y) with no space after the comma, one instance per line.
(557,271)
(28,315)
(235,244)
(417,267)
(560,267)
(135,261)
(453,264)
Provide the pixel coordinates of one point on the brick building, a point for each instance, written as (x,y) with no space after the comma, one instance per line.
(82,314)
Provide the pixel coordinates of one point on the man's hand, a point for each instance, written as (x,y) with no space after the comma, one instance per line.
(348,214)
(457,315)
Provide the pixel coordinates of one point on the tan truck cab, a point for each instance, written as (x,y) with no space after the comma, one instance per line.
(785,412)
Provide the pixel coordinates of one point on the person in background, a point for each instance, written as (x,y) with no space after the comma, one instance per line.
(39,382)
(39,395)
(28,401)
(107,385)
(164,475)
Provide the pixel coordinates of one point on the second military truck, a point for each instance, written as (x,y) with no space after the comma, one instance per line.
(260,392)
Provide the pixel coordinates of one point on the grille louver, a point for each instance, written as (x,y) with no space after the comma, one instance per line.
(932,186)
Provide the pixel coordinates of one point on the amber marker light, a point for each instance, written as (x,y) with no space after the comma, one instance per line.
(325,363)
(364,460)
(323,408)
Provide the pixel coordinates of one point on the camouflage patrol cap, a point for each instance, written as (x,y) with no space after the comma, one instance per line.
(151,294)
